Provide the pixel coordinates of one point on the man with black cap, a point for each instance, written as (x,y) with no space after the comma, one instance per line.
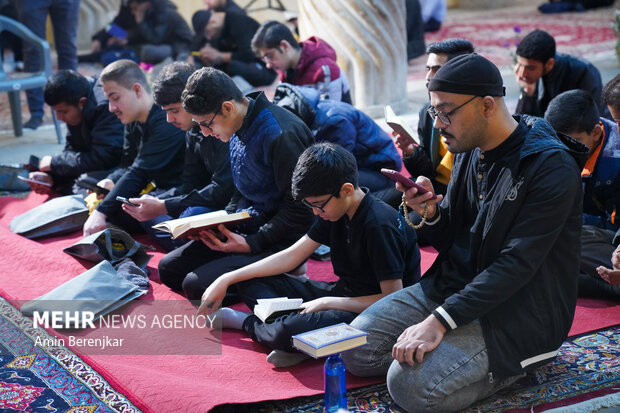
(499,299)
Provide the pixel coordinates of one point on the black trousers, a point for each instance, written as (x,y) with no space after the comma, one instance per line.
(596,250)
(194,266)
(277,334)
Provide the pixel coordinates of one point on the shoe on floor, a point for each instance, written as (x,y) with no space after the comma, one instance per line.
(33,123)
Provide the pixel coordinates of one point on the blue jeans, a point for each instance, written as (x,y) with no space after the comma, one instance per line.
(64,16)
(450,378)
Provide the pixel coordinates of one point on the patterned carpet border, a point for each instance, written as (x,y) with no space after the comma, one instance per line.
(71,380)
(586,371)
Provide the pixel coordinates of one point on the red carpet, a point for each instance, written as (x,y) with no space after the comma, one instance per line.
(189,383)
(588,35)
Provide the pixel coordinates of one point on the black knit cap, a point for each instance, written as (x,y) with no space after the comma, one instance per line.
(469,74)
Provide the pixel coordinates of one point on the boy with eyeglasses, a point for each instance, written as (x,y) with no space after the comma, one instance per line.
(206,182)
(265,143)
(153,149)
(373,252)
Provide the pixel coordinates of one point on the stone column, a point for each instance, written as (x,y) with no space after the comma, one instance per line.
(369,38)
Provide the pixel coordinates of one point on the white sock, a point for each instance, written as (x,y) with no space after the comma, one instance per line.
(281,358)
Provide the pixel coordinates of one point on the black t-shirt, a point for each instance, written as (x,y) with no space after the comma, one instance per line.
(376,245)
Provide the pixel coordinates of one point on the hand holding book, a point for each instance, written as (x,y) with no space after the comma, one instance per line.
(224,240)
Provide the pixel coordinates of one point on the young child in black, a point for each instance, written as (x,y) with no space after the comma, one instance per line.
(373,251)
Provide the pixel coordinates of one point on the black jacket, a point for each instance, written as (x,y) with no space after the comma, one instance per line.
(425,158)
(152,152)
(236,37)
(206,175)
(96,143)
(525,289)
(162,25)
(568,73)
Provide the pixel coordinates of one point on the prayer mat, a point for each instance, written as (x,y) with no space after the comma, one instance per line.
(585,376)
(32,379)
(240,374)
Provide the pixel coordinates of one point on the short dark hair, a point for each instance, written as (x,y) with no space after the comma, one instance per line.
(170,83)
(206,90)
(452,47)
(270,34)
(538,45)
(611,92)
(322,169)
(66,86)
(573,111)
(126,73)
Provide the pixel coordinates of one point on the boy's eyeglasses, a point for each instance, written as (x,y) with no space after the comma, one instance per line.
(205,124)
(323,205)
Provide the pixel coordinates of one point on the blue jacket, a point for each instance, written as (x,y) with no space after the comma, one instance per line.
(601,188)
(343,124)
(263,155)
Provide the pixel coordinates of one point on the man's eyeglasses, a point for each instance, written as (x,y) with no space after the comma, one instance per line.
(323,205)
(205,124)
(444,117)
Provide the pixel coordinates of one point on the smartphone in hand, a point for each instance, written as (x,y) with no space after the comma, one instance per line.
(126,201)
(407,183)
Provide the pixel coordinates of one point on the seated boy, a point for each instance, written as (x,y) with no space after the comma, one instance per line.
(343,124)
(153,150)
(94,135)
(309,63)
(206,182)
(265,143)
(373,252)
(575,113)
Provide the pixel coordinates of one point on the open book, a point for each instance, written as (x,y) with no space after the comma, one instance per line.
(268,309)
(183,227)
(329,340)
(399,125)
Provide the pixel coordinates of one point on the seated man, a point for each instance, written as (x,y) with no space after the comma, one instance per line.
(207,182)
(343,124)
(499,299)
(105,41)
(94,140)
(160,31)
(223,40)
(543,74)
(432,158)
(221,5)
(373,252)
(265,142)
(574,113)
(309,63)
(153,149)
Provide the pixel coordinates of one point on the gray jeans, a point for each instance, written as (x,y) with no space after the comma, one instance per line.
(450,378)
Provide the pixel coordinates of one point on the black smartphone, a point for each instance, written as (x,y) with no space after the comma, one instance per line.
(126,201)
(82,183)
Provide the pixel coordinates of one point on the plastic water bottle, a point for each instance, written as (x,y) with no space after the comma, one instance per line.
(335,383)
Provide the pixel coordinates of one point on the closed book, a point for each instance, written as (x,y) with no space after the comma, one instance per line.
(268,309)
(399,125)
(184,227)
(329,340)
